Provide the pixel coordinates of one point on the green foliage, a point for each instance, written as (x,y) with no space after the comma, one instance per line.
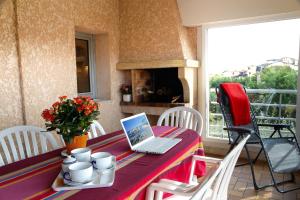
(278,77)
(274,77)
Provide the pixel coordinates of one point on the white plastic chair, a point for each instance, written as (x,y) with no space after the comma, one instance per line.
(34,139)
(214,186)
(182,117)
(96,130)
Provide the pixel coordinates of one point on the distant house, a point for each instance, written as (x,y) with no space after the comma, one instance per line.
(251,70)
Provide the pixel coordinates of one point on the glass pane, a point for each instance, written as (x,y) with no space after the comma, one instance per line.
(264,58)
(82,63)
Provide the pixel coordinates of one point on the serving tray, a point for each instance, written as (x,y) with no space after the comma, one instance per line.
(103,178)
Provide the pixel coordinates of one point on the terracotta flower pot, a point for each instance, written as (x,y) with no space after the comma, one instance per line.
(77,142)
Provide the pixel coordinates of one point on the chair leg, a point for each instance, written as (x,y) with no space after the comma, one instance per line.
(159,195)
(256,158)
(275,183)
(231,147)
(254,161)
(150,193)
(233,144)
(293,177)
(252,169)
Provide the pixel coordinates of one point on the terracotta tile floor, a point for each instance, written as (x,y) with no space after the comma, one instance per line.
(241,185)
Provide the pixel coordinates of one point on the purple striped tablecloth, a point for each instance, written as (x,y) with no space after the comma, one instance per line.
(32,178)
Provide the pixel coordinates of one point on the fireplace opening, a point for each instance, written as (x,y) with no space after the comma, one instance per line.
(162,86)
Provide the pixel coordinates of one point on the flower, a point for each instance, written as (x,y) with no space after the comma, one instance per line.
(78,100)
(71,117)
(56,105)
(125,89)
(48,115)
(61,98)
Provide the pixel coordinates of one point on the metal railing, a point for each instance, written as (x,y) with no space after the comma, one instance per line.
(216,129)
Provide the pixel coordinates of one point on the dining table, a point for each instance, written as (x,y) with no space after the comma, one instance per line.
(31,178)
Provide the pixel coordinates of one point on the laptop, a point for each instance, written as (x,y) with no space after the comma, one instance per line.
(141,138)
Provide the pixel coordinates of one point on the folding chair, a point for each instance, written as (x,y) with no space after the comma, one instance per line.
(282,152)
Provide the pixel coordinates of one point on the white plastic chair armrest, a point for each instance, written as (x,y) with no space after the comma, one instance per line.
(164,187)
(177,183)
(207,159)
(201,158)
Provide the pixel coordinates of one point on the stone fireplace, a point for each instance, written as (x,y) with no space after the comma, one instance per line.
(159,85)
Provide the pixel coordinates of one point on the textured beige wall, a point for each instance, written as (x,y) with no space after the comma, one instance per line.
(102,16)
(151,30)
(47,52)
(46,31)
(10,97)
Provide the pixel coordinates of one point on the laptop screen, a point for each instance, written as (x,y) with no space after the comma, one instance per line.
(137,128)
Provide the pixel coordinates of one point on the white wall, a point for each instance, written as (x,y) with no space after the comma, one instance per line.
(198,12)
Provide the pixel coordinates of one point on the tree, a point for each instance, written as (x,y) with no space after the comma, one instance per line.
(278,77)
(273,77)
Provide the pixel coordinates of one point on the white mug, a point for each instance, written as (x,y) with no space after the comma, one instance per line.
(82,154)
(102,160)
(80,172)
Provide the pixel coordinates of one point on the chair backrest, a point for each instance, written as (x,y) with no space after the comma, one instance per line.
(220,179)
(24,141)
(182,117)
(223,101)
(96,130)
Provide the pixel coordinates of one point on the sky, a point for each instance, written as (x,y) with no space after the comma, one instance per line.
(132,123)
(245,45)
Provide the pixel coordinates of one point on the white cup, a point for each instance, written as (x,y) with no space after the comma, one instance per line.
(82,154)
(102,160)
(80,172)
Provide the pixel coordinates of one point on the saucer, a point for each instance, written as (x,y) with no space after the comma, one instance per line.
(64,153)
(74,183)
(104,171)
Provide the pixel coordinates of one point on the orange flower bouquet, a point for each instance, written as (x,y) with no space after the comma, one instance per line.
(71,117)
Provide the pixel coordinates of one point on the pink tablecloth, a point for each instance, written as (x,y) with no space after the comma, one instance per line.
(32,178)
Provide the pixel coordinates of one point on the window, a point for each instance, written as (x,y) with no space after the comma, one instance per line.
(85,64)
(264,58)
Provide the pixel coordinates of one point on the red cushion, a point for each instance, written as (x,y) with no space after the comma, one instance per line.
(239,103)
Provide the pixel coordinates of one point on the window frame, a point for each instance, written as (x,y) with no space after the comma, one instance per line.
(92,63)
(202,46)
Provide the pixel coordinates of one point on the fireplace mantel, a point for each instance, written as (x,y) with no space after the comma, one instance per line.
(158,64)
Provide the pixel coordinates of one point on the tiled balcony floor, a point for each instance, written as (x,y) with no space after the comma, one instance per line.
(241,185)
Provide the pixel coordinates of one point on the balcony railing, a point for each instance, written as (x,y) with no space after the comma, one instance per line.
(270,106)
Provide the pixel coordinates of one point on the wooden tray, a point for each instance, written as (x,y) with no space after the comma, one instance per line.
(100,179)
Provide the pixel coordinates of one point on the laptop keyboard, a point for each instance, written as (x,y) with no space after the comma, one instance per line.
(157,145)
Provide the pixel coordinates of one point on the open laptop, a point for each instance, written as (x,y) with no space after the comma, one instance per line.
(141,138)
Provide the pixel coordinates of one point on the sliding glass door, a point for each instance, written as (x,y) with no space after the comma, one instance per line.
(264,58)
